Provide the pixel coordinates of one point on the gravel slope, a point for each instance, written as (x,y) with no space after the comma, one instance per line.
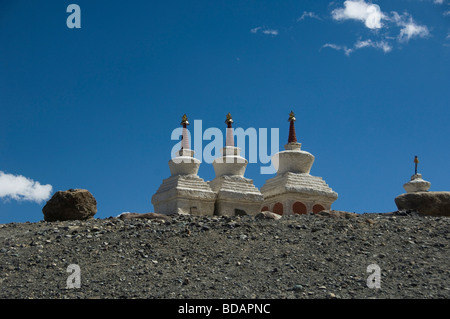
(228,257)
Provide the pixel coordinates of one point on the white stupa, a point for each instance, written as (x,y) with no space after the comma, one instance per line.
(294,190)
(235,194)
(184,192)
(417,183)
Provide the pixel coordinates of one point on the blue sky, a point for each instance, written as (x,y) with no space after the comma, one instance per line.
(95,107)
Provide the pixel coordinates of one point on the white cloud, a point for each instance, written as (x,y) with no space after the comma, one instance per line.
(382,45)
(375,19)
(372,16)
(438,1)
(20,188)
(413,30)
(270,31)
(447,13)
(362,11)
(409,29)
(264,31)
(344,48)
(309,15)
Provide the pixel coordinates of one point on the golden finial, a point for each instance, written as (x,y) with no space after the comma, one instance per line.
(291,117)
(184,120)
(229,120)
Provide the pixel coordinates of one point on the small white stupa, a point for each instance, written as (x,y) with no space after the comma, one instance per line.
(235,194)
(416,184)
(294,190)
(184,192)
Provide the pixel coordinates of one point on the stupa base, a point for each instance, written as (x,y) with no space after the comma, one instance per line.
(236,195)
(184,194)
(292,193)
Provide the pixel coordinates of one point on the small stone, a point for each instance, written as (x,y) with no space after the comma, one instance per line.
(143,216)
(336,214)
(267,215)
(297,287)
(73,228)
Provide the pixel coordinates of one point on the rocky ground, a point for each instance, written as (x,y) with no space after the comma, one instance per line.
(228,257)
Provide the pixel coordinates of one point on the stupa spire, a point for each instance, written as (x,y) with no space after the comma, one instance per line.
(292,138)
(185,134)
(416,161)
(229,139)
